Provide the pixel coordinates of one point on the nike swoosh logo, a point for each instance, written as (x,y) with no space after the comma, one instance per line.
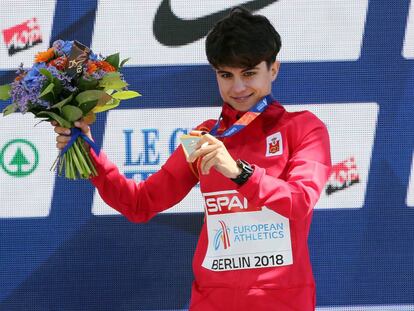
(170,30)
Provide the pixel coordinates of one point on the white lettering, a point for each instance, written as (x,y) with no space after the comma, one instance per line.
(211,205)
(235,202)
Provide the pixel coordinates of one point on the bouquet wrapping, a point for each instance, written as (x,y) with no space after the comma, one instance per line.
(66,83)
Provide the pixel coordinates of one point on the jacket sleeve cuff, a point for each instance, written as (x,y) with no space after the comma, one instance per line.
(99,162)
(249,189)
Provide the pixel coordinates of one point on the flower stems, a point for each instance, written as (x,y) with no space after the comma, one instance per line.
(76,162)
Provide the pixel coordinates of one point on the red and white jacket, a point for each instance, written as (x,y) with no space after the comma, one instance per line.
(252,253)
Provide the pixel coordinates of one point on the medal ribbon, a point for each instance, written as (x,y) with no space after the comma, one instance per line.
(245,120)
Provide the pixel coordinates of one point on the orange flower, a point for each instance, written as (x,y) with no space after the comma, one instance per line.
(106,66)
(60,62)
(45,56)
(91,67)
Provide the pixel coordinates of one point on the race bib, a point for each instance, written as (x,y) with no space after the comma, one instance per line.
(241,236)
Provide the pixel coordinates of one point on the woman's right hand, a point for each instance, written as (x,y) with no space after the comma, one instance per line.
(64,133)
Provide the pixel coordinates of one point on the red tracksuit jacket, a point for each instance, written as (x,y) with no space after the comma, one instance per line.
(252,252)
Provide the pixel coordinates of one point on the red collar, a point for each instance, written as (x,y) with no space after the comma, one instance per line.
(230,115)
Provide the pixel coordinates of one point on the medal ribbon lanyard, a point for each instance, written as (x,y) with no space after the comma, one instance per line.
(245,120)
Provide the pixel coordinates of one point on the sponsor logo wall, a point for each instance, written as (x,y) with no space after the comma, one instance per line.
(408,47)
(25,30)
(340,60)
(410,195)
(25,160)
(338,37)
(346,186)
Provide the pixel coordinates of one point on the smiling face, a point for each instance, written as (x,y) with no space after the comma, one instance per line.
(242,88)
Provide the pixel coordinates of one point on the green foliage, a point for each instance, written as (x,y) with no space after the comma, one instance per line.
(88,106)
(112,80)
(87,100)
(9,109)
(63,102)
(113,60)
(47,93)
(90,95)
(53,116)
(68,101)
(47,74)
(57,86)
(125,95)
(5,91)
(84,84)
(112,104)
(71,113)
(123,62)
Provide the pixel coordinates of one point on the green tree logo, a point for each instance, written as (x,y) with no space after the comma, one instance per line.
(18,164)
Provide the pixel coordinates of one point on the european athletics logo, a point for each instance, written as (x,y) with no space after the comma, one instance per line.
(222,236)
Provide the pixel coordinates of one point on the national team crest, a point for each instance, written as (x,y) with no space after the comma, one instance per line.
(274,145)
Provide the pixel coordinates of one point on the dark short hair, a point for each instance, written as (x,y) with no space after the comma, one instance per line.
(242,39)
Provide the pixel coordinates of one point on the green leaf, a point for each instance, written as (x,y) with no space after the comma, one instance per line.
(63,102)
(112,80)
(57,89)
(84,84)
(113,104)
(89,99)
(9,109)
(90,95)
(123,62)
(126,94)
(46,73)
(40,122)
(106,98)
(113,60)
(88,106)
(35,109)
(47,93)
(5,91)
(56,117)
(71,113)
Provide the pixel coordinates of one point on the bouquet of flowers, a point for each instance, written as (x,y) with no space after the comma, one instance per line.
(66,83)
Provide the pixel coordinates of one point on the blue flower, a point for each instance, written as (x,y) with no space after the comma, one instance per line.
(58,44)
(93,56)
(67,47)
(33,76)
